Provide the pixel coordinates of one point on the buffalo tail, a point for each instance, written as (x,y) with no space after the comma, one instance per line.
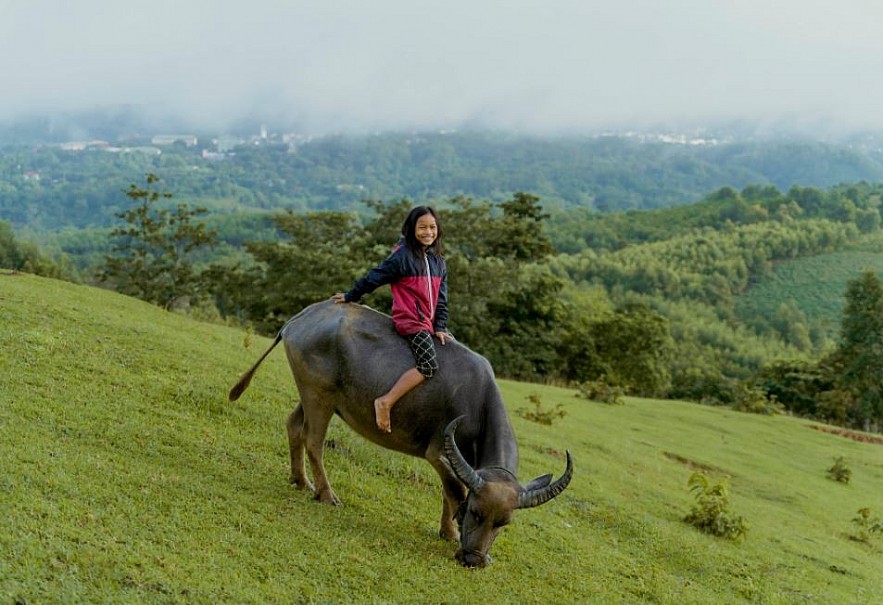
(239,388)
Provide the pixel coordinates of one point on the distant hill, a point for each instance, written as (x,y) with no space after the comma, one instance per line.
(48,188)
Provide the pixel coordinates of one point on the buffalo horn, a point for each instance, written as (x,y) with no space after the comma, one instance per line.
(461,468)
(535,497)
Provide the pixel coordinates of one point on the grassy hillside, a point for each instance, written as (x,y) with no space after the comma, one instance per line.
(128,477)
(816,283)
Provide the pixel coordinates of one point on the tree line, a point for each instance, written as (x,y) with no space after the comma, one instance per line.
(45,187)
(650,315)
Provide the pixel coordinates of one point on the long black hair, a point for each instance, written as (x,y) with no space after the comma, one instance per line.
(410,226)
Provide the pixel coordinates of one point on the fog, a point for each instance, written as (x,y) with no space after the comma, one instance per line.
(551,66)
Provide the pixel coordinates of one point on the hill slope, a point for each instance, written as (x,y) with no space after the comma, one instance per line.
(129,477)
(817,284)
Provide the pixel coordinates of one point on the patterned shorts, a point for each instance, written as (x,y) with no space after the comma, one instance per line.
(424,353)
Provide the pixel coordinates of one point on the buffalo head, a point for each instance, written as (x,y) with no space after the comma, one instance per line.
(494,494)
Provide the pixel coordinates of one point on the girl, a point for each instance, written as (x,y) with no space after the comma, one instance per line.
(418,277)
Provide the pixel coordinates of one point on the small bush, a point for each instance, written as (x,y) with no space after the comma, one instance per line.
(710,513)
(866,526)
(538,414)
(754,400)
(840,471)
(599,390)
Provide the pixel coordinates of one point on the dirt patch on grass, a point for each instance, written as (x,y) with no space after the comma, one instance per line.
(848,433)
(696,466)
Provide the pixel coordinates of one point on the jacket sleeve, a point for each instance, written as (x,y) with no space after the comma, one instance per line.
(441,310)
(386,272)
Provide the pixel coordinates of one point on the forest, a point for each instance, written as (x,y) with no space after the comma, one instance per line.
(47,187)
(637,301)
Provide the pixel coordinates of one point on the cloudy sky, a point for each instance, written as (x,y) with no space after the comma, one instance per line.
(535,66)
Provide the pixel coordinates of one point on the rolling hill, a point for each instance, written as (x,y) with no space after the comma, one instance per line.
(128,477)
(817,284)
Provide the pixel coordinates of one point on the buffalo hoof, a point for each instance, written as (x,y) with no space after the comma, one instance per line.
(448,534)
(328,497)
(301,484)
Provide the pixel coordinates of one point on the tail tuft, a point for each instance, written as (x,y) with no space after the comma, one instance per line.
(239,388)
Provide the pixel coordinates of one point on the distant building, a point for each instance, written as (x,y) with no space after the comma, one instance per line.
(213,155)
(83,145)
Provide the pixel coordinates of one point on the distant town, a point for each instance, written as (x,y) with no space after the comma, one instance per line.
(216,149)
(221,146)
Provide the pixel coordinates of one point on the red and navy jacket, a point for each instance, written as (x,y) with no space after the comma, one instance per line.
(419,289)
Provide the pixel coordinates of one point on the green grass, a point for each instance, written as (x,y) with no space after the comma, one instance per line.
(128,477)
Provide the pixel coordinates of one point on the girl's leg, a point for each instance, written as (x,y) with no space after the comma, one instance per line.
(384,403)
(424,354)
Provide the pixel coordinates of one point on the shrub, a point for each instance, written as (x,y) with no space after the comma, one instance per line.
(710,513)
(538,414)
(754,400)
(599,390)
(840,471)
(866,526)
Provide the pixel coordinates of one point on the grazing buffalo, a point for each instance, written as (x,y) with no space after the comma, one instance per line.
(343,355)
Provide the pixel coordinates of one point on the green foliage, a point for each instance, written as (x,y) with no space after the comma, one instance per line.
(840,471)
(538,413)
(25,256)
(843,387)
(796,384)
(711,511)
(601,390)
(631,347)
(526,317)
(607,174)
(314,259)
(866,526)
(687,269)
(755,400)
(860,354)
(151,254)
(819,301)
(503,299)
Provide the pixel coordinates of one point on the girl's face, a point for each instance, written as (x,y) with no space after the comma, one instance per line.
(426,230)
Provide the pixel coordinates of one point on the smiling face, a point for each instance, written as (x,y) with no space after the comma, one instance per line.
(426,230)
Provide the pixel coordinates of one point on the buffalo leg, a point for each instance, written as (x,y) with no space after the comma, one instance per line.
(453,494)
(316,419)
(295,426)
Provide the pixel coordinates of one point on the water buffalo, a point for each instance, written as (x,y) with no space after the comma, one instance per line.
(343,355)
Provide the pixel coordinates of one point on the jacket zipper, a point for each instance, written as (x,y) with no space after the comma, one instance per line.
(429,287)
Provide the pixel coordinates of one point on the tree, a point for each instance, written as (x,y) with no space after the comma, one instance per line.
(26,256)
(528,323)
(522,230)
(151,255)
(313,260)
(631,347)
(861,348)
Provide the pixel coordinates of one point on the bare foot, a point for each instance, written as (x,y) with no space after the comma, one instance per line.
(381,412)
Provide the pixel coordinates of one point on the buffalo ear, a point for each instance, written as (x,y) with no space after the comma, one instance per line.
(539,483)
